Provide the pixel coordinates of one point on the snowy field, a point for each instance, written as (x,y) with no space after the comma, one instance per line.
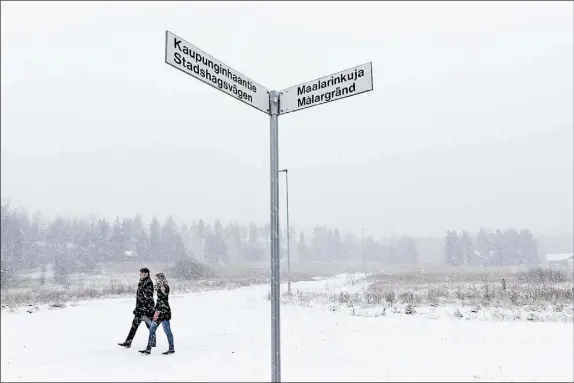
(225,336)
(119,279)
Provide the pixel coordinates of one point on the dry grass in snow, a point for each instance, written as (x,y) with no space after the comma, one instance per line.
(533,295)
(120,280)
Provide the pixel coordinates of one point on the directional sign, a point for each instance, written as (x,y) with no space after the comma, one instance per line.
(189,59)
(340,85)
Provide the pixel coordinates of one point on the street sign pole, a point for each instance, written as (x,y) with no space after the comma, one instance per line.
(274,223)
(191,60)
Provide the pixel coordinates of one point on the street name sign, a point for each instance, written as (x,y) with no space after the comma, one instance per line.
(340,85)
(182,55)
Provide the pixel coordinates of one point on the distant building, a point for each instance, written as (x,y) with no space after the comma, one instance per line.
(561,261)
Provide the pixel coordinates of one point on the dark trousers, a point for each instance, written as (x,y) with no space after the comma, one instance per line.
(135,324)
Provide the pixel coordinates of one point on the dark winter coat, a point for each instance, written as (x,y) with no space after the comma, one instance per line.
(162,305)
(144,298)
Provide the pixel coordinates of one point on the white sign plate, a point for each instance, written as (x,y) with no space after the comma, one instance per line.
(189,59)
(340,85)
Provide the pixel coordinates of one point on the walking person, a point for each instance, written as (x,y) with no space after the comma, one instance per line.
(162,315)
(144,306)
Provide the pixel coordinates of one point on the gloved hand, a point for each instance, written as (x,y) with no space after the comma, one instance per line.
(156,316)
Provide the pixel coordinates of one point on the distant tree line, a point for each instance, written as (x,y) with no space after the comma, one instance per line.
(328,245)
(489,248)
(72,245)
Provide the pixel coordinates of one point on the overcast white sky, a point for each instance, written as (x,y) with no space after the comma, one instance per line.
(470,122)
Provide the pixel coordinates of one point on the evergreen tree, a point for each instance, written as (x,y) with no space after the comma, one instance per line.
(117,240)
(497,250)
(215,246)
(317,248)
(168,240)
(56,233)
(336,245)
(233,240)
(407,251)
(254,251)
(103,233)
(448,258)
(483,248)
(528,248)
(154,239)
(198,238)
(129,235)
(466,248)
(451,246)
(143,244)
(302,248)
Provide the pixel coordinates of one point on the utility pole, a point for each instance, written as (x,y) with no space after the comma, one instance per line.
(286,171)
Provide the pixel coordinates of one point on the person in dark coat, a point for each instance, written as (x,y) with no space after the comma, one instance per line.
(144,306)
(162,315)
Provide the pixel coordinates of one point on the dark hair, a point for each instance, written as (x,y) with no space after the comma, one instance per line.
(161,279)
(144,270)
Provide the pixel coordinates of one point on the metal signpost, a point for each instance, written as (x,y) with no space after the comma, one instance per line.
(184,56)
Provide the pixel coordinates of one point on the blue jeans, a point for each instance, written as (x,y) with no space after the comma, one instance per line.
(166,328)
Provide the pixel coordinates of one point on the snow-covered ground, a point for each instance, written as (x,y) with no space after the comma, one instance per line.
(225,336)
(356,288)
